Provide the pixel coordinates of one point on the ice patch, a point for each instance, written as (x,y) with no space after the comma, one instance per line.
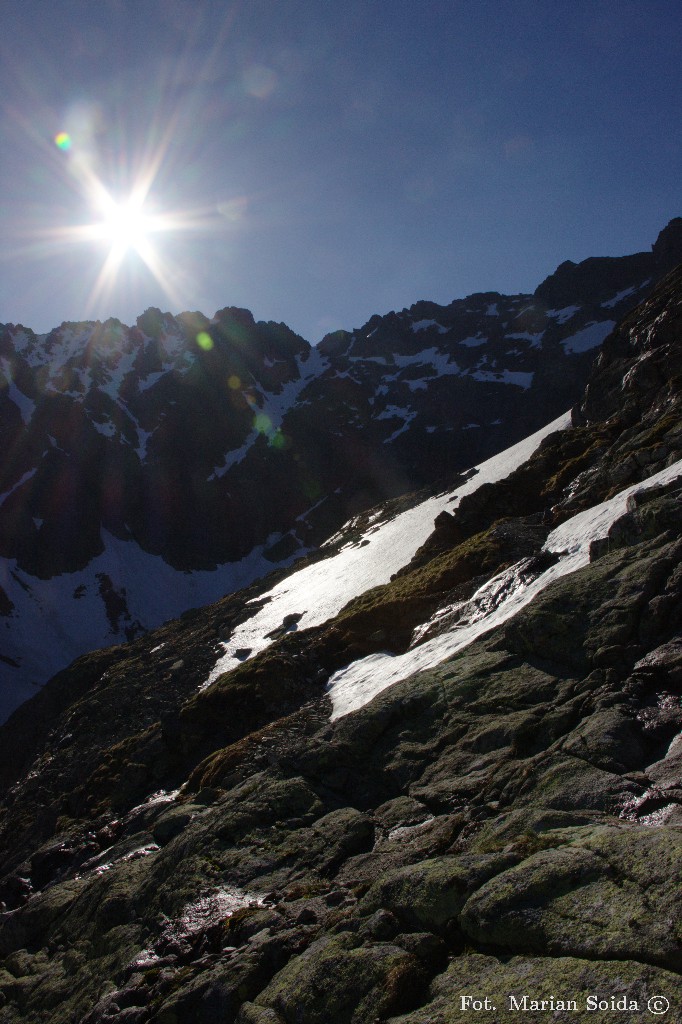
(196,917)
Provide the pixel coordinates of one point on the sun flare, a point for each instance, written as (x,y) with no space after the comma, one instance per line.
(133,229)
(126,225)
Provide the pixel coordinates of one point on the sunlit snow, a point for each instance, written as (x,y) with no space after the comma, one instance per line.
(494,603)
(318,592)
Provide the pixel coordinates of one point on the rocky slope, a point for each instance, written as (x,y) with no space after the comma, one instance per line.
(504,823)
(151,469)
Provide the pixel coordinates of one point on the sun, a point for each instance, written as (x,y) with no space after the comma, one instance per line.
(126,225)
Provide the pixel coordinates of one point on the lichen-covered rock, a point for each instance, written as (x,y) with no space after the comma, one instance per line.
(541,989)
(431,894)
(609,894)
(338,979)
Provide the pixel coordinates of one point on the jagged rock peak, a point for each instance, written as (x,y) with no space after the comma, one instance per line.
(667,248)
(594,280)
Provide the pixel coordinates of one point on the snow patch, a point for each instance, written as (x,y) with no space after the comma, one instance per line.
(106,429)
(422,325)
(50,627)
(534,339)
(617,298)
(590,337)
(562,315)
(519,378)
(473,342)
(27,476)
(276,406)
(24,404)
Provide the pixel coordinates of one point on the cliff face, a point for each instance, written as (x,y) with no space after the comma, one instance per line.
(467,781)
(151,469)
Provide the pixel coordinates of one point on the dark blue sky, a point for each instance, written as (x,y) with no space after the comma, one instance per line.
(334,159)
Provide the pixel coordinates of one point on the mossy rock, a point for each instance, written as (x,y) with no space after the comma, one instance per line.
(430,895)
(250,1013)
(512,830)
(571,784)
(174,821)
(559,979)
(610,740)
(260,802)
(610,894)
(341,981)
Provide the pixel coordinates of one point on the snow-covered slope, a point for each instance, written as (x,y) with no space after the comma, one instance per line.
(319,591)
(121,594)
(494,603)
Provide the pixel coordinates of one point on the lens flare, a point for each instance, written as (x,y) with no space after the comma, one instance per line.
(262,423)
(121,210)
(279,440)
(204,341)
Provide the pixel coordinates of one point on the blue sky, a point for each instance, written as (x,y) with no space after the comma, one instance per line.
(319,161)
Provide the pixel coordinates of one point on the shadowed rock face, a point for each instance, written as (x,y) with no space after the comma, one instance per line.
(182,443)
(507,822)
